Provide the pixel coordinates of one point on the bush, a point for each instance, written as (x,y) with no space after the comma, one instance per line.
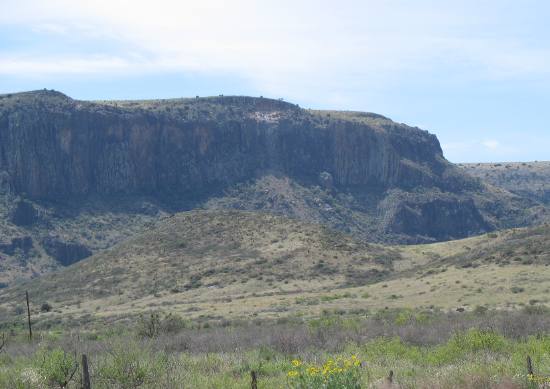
(172,324)
(404,317)
(56,366)
(46,307)
(391,349)
(469,342)
(149,325)
(130,365)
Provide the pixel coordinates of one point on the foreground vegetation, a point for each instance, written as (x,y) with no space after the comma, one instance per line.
(423,349)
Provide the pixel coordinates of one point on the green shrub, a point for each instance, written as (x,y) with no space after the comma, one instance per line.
(56,366)
(130,365)
(172,323)
(391,349)
(148,326)
(404,317)
(464,343)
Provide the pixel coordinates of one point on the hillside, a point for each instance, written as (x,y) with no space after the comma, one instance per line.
(217,265)
(77,177)
(219,257)
(527,179)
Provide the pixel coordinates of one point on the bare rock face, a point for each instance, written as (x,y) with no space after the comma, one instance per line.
(54,147)
(434,218)
(63,252)
(4,182)
(24,244)
(24,214)
(326,181)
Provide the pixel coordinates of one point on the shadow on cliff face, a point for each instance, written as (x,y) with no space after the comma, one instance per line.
(432,218)
(66,253)
(373,214)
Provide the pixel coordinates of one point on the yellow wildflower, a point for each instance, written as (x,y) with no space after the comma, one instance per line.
(296,362)
(312,370)
(292,373)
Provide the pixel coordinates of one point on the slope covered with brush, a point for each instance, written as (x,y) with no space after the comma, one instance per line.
(209,256)
(227,265)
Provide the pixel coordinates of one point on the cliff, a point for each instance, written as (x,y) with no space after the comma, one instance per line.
(54,147)
(77,177)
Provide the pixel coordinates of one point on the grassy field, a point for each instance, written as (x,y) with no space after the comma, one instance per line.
(423,350)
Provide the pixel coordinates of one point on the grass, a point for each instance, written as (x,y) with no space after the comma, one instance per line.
(213,266)
(483,353)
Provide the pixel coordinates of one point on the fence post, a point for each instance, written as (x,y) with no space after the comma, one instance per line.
(529,366)
(390,377)
(85,373)
(29,315)
(254,380)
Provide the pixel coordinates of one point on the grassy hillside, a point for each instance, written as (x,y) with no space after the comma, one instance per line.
(214,263)
(217,265)
(528,179)
(37,238)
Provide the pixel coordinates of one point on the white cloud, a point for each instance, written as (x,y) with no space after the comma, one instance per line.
(44,66)
(285,47)
(491,144)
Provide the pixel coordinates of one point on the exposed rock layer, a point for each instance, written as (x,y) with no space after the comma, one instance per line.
(53,146)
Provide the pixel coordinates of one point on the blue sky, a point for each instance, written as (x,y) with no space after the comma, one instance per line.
(475,73)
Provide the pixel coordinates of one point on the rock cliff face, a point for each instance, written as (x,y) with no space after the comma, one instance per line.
(53,147)
(77,177)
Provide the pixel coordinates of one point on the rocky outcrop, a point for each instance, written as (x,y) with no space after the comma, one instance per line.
(54,147)
(23,244)
(433,217)
(24,214)
(65,253)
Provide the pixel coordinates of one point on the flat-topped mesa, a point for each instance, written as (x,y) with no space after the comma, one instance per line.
(52,146)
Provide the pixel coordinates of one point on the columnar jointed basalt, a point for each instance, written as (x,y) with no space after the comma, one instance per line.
(54,147)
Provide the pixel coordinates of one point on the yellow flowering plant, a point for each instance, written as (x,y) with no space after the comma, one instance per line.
(334,373)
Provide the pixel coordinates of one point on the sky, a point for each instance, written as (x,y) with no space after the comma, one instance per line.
(475,73)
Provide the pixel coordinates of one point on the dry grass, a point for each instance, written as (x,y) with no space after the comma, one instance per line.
(215,266)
